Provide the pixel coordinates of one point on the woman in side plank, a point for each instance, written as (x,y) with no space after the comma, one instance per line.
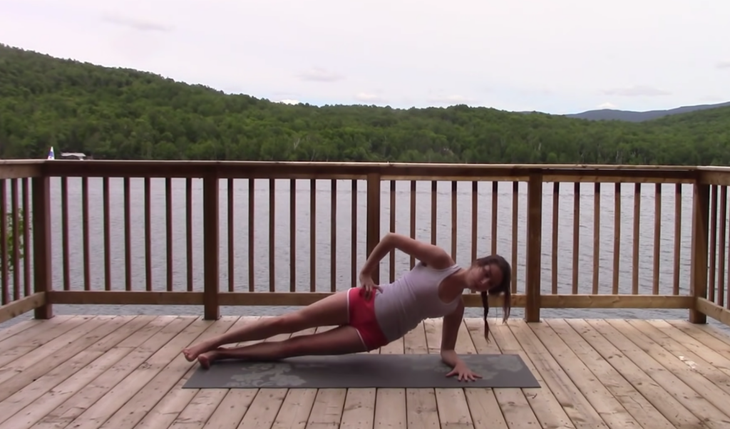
(371,316)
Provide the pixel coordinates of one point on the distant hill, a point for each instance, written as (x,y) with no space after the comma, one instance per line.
(114,113)
(630,116)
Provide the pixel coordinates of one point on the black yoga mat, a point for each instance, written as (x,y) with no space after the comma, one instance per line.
(363,370)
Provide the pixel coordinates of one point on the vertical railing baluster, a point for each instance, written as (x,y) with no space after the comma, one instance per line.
(211,245)
(677,236)
(700,233)
(596,234)
(495,200)
(534,247)
(189,231)
(107,235)
(292,235)
(657,236)
(353,234)
(17,240)
(65,237)
(42,260)
(616,237)
(474,218)
(391,270)
(231,237)
(251,229)
(434,203)
(373,220)
(148,232)
(413,218)
(27,210)
(168,232)
(721,247)
(333,236)
(313,235)
(713,242)
(454,220)
(4,251)
(85,232)
(515,229)
(576,235)
(635,258)
(272,235)
(127,236)
(556,212)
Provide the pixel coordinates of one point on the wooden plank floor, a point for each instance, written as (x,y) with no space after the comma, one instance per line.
(126,372)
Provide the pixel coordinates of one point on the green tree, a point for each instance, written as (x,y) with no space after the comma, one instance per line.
(12,241)
(114,113)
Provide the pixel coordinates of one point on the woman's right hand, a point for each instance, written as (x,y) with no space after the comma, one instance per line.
(367,284)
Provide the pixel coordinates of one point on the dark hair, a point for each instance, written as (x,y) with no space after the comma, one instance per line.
(502,288)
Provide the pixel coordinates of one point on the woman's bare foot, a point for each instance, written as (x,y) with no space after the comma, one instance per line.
(192,352)
(205,359)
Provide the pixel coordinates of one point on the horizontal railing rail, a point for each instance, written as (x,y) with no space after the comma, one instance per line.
(362,170)
(289,233)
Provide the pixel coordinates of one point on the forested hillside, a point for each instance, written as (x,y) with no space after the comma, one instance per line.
(125,114)
(627,115)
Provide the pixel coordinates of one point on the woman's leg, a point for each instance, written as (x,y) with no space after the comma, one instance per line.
(328,311)
(338,341)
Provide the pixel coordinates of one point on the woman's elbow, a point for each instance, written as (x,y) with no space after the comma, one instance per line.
(389,236)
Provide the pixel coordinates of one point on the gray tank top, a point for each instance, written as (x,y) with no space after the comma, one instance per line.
(410,299)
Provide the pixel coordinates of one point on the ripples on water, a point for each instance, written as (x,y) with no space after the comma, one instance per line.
(345,238)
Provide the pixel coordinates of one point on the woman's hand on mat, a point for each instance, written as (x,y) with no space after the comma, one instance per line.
(367,284)
(463,373)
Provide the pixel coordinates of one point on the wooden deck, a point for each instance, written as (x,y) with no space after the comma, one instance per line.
(126,372)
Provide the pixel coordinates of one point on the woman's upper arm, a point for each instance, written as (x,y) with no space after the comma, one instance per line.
(433,256)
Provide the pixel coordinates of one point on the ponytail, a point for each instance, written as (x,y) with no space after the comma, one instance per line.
(503,288)
(485,304)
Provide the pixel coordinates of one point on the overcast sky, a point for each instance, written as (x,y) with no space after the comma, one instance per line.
(557,56)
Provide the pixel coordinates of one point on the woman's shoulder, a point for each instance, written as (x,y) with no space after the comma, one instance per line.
(444,261)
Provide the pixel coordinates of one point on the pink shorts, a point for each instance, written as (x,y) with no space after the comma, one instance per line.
(361,315)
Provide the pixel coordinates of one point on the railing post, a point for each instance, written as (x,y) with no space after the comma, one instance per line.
(534,247)
(42,260)
(373,219)
(700,233)
(211,244)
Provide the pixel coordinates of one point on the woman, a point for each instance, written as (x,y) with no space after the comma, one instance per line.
(372,316)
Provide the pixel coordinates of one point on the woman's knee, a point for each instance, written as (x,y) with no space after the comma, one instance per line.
(290,323)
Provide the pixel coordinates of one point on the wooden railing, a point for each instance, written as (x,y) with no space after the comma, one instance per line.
(25,245)
(118,232)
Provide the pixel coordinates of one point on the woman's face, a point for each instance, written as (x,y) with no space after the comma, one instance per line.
(484,278)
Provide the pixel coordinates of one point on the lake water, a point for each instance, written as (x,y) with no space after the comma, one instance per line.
(345,239)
